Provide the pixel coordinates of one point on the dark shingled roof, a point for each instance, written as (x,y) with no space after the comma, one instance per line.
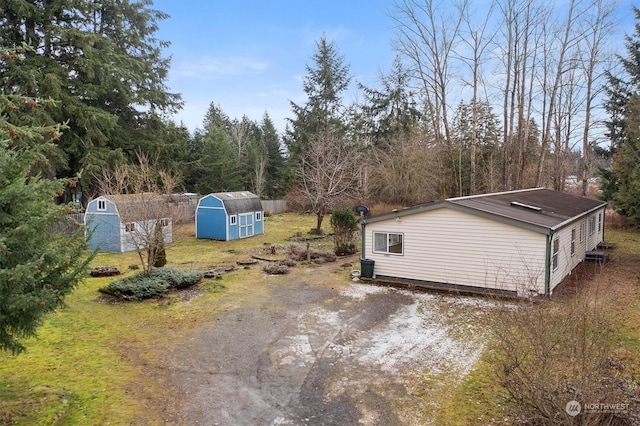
(139,207)
(538,208)
(239,202)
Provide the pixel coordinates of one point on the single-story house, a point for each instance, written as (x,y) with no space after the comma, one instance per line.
(521,242)
(122,223)
(229,216)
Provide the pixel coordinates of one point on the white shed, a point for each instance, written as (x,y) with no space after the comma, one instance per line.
(518,242)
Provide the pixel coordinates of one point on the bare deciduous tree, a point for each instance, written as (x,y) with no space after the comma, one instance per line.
(426,37)
(406,175)
(148,207)
(599,27)
(327,175)
(477,38)
(543,61)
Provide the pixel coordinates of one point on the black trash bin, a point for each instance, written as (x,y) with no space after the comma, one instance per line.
(366,268)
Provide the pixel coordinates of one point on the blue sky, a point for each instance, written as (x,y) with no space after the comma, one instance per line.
(248,56)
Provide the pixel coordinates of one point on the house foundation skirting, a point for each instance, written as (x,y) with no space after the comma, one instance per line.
(440,287)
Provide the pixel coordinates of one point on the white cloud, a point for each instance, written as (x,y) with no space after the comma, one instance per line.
(211,67)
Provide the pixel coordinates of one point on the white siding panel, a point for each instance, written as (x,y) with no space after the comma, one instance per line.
(566,262)
(448,246)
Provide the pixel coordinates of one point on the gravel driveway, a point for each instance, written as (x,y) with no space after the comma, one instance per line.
(345,353)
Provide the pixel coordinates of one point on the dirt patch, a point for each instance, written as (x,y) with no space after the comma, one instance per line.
(316,351)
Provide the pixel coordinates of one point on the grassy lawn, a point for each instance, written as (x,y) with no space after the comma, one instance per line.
(90,361)
(88,364)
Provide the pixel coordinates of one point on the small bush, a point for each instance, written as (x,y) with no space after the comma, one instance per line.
(154,284)
(345,224)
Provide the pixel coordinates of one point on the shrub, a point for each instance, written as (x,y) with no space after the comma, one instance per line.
(345,224)
(153,284)
(548,354)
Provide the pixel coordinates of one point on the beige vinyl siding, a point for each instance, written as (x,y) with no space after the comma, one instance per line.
(566,262)
(594,239)
(448,246)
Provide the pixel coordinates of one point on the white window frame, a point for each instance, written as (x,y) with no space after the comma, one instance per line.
(583,230)
(258,216)
(599,222)
(388,243)
(592,225)
(233,220)
(555,258)
(573,241)
(129,227)
(102,205)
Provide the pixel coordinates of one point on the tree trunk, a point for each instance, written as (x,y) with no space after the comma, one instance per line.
(319,222)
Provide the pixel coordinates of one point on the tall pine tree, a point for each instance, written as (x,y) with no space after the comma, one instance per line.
(275,167)
(322,115)
(103,63)
(39,263)
(621,184)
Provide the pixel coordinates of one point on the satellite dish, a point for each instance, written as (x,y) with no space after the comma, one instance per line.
(362,210)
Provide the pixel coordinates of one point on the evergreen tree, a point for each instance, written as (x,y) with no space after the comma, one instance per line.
(322,115)
(487,135)
(103,64)
(275,167)
(621,184)
(217,166)
(39,265)
(390,112)
(321,152)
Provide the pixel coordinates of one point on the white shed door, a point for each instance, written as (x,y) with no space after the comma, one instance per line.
(246,225)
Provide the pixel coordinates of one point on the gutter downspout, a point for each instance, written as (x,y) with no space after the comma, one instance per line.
(547,278)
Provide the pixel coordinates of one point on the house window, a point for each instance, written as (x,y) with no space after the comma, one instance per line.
(129,227)
(583,231)
(556,249)
(573,241)
(387,243)
(102,205)
(592,225)
(164,222)
(599,221)
(258,216)
(233,220)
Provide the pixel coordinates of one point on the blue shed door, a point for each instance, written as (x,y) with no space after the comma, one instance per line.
(246,225)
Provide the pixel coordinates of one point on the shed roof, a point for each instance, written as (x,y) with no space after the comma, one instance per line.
(143,206)
(538,208)
(239,202)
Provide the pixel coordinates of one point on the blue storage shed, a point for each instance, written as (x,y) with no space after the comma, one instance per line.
(229,216)
(122,223)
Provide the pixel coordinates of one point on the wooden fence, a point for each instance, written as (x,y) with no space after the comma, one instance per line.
(71,226)
(274,206)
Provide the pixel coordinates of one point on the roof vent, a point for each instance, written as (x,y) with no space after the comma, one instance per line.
(526,206)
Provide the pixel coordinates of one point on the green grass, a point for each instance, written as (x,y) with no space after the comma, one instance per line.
(89,362)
